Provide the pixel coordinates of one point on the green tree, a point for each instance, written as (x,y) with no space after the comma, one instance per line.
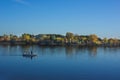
(105,40)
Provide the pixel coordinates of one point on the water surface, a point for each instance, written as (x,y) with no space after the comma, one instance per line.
(59,63)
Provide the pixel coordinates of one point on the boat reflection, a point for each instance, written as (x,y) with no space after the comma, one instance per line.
(29,57)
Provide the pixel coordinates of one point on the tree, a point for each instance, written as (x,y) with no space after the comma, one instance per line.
(111,41)
(52,37)
(26,37)
(70,36)
(6,37)
(93,38)
(13,37)
(105,40)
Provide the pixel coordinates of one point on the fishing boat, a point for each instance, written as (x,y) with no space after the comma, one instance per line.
(29,54)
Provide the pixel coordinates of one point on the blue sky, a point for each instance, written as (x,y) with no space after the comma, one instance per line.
(101,17)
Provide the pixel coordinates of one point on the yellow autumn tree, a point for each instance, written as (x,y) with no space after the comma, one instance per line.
(93,38)
(26,37)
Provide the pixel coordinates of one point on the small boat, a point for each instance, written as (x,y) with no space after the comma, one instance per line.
(29,54)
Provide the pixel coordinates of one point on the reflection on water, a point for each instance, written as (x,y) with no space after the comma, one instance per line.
(60,63)
(7,50)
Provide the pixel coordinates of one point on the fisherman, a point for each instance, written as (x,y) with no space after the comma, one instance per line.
(31,52)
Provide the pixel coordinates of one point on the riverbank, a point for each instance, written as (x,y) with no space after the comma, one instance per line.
(57,44)
(69,39)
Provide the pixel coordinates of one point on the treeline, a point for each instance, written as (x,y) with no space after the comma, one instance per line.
(69,39)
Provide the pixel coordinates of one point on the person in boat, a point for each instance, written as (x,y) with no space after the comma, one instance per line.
(31,52)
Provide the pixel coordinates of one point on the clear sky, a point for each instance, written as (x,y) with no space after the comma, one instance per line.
(101,17)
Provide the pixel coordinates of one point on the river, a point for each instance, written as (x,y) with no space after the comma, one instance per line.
(60,63)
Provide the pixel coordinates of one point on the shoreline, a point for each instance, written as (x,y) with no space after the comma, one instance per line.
(58,44)
(69,39)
